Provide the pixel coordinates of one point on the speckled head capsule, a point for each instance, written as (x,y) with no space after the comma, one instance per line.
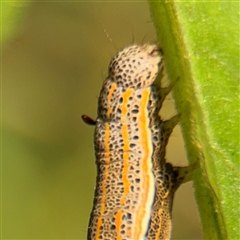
(136,66)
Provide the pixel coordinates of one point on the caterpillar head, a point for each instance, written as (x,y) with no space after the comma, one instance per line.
(136,66)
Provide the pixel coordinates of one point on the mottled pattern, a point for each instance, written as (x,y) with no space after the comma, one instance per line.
(135,186)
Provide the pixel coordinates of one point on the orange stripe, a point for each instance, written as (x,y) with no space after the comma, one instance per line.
(106,146)
(124,131)
(126,95)
(109,99)
(160,224)
(144,129)
(104,191)
(118,224)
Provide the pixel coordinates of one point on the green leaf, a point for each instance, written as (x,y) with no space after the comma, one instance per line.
(200,41)
(11,16)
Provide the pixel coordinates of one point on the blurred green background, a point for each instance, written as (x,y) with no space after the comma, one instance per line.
(52,72)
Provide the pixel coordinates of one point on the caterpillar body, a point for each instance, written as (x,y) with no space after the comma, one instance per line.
(134,186)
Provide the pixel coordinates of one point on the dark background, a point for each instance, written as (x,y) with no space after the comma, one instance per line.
(51,74)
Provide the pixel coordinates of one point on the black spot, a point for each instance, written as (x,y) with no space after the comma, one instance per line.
(134,119)
(137,180)
(123,226)
(155,138)
(129,216)
(135,137)
(134,111)
(139,84)
(132,145)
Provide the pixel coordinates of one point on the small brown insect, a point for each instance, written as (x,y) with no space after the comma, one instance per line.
(88,120)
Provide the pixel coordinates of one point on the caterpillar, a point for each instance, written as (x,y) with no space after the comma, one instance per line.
(135,185)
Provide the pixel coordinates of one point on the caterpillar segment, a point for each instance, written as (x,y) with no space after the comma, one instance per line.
(134,185)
